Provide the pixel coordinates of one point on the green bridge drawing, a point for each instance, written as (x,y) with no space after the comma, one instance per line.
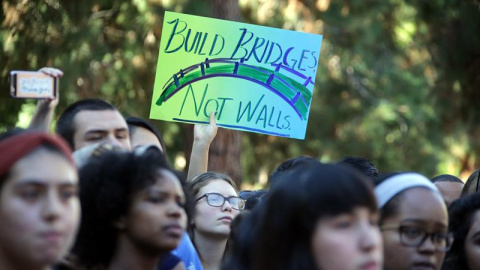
(295,93)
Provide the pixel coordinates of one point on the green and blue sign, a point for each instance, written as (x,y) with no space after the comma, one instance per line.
(255,78)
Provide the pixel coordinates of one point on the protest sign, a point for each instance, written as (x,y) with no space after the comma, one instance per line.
(255,78)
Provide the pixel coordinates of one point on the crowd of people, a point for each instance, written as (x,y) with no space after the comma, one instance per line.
(100,194)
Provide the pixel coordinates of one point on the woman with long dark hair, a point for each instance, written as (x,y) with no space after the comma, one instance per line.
(465,226)
(315,217)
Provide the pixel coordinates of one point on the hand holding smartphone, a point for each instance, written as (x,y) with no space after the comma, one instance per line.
(33,84)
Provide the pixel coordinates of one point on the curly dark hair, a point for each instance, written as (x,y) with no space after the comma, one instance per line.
(461,213)
(107,185)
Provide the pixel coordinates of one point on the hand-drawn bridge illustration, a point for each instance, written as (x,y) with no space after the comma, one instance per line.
(295,93)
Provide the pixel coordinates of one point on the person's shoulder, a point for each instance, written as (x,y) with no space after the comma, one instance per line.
(171,262)
(188,254)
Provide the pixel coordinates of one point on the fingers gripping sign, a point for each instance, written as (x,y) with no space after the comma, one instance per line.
(45,107)
(206,133)
(50,102)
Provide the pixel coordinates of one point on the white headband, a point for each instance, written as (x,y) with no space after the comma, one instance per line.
(386,190)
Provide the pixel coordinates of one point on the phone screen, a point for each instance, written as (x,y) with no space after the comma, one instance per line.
(30,84)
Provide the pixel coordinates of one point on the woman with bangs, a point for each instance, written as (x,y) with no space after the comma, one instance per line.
(316,217)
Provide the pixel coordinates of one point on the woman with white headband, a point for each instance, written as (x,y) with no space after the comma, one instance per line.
(413,222)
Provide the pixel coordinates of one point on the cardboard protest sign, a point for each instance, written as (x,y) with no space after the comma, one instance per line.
(256,78)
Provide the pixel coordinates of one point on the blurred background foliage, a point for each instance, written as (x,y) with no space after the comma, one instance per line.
(398,80)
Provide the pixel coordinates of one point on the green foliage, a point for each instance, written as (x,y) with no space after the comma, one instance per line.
(397,80)
(376,89)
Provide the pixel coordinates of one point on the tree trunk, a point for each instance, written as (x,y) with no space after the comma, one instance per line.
(227,10)
(225,152)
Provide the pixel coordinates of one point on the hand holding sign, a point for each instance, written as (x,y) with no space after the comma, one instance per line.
(205,134)
(45,107)
(50,103)
(256,78)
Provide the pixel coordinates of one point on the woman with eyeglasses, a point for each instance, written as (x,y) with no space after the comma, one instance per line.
(216,205)
(413,222)
(465,226)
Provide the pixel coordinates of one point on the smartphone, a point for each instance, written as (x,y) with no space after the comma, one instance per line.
(32,84)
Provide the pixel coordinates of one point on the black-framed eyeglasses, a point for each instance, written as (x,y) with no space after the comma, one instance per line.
(413,236)
(218,200)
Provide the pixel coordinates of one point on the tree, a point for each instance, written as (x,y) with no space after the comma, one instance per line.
(397,80)
(225,151)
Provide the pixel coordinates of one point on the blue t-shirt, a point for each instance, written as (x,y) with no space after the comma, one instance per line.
(188,254)
(169,262)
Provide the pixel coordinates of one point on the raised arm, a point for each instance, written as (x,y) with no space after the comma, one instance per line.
(45,107)
(202,138)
